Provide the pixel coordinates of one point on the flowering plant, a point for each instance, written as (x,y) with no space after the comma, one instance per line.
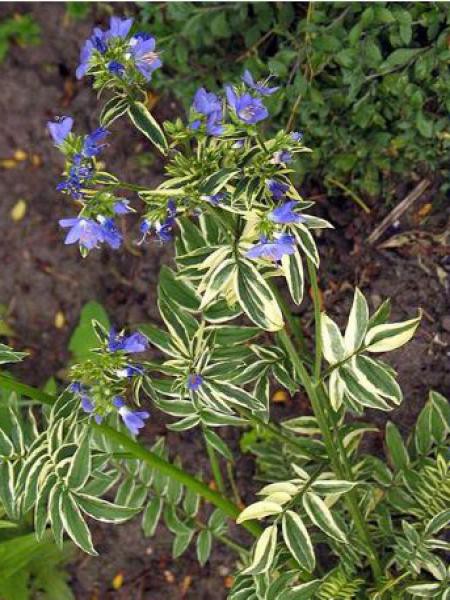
(240,229)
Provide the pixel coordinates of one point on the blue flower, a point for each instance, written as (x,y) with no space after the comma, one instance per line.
(133,420)
(194,381)
(92,145)
(111,235)
(163,229)
(145,57)
(277,188)
(79,174)
(60,129)
(97,41)
(282,157)
(118,27)
(136,342)
(285,214)
(272,249)
(215,199)
(76,387)
(121,207)
(130,371)
(297,136)
(116,68)
(205,102)
(247,108)
(261,87)
(209,105)
(85,231)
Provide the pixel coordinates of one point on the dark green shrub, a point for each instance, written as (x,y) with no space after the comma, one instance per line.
(369,83)
(21,29)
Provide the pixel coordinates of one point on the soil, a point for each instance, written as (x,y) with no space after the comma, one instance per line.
(44,285)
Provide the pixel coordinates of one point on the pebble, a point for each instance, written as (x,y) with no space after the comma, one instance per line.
(445,322)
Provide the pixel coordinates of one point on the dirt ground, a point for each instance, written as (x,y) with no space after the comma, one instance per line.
(41,278)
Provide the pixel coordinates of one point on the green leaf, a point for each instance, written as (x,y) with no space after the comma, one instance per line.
(304,591)
(84,338)
(332,486)
(307,243)
(181,543)
(178,290)
(400,57)
(293,271)
(204,544)
(7,487)
(376,379)
(397,449)
(8,355)
(74,524)
(332,340)
(320,515)
(357,323)
(104,511)
(218,281)
(80,466)
(383,338)
(218,444)
(264,552)
(216,182)
(257,299)
(259,510)
(144,121)
(297,540)
(114,108)
(152,515)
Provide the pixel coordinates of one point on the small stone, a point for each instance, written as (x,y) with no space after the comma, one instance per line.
(445,322)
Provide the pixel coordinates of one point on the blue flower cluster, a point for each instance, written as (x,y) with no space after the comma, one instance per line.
(121,55)
(118,342)
(88,232)
(284,214)
(163,229)
(208,107)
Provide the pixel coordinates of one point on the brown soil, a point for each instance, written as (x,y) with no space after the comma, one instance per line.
(41,277)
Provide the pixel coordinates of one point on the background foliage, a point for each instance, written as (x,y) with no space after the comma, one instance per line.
(369,84)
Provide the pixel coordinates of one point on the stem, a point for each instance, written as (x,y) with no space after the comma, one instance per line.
(152,459)
(215,467)
(10,384)
(317,311)
(294,323)
(350,193)
(273,430)
(234,487)
(329,441)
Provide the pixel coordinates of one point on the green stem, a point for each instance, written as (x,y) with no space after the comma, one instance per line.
(350,193)
(276,432)
(328,438)
(152,459)
(12,385)
(317,313)
(215,467)
(293,323)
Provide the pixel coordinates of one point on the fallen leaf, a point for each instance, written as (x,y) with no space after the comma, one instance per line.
(60,320)
(8,163)
(185,585)
(36,160)
(280,396)
(117,581)
(18,210)
(20,155)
